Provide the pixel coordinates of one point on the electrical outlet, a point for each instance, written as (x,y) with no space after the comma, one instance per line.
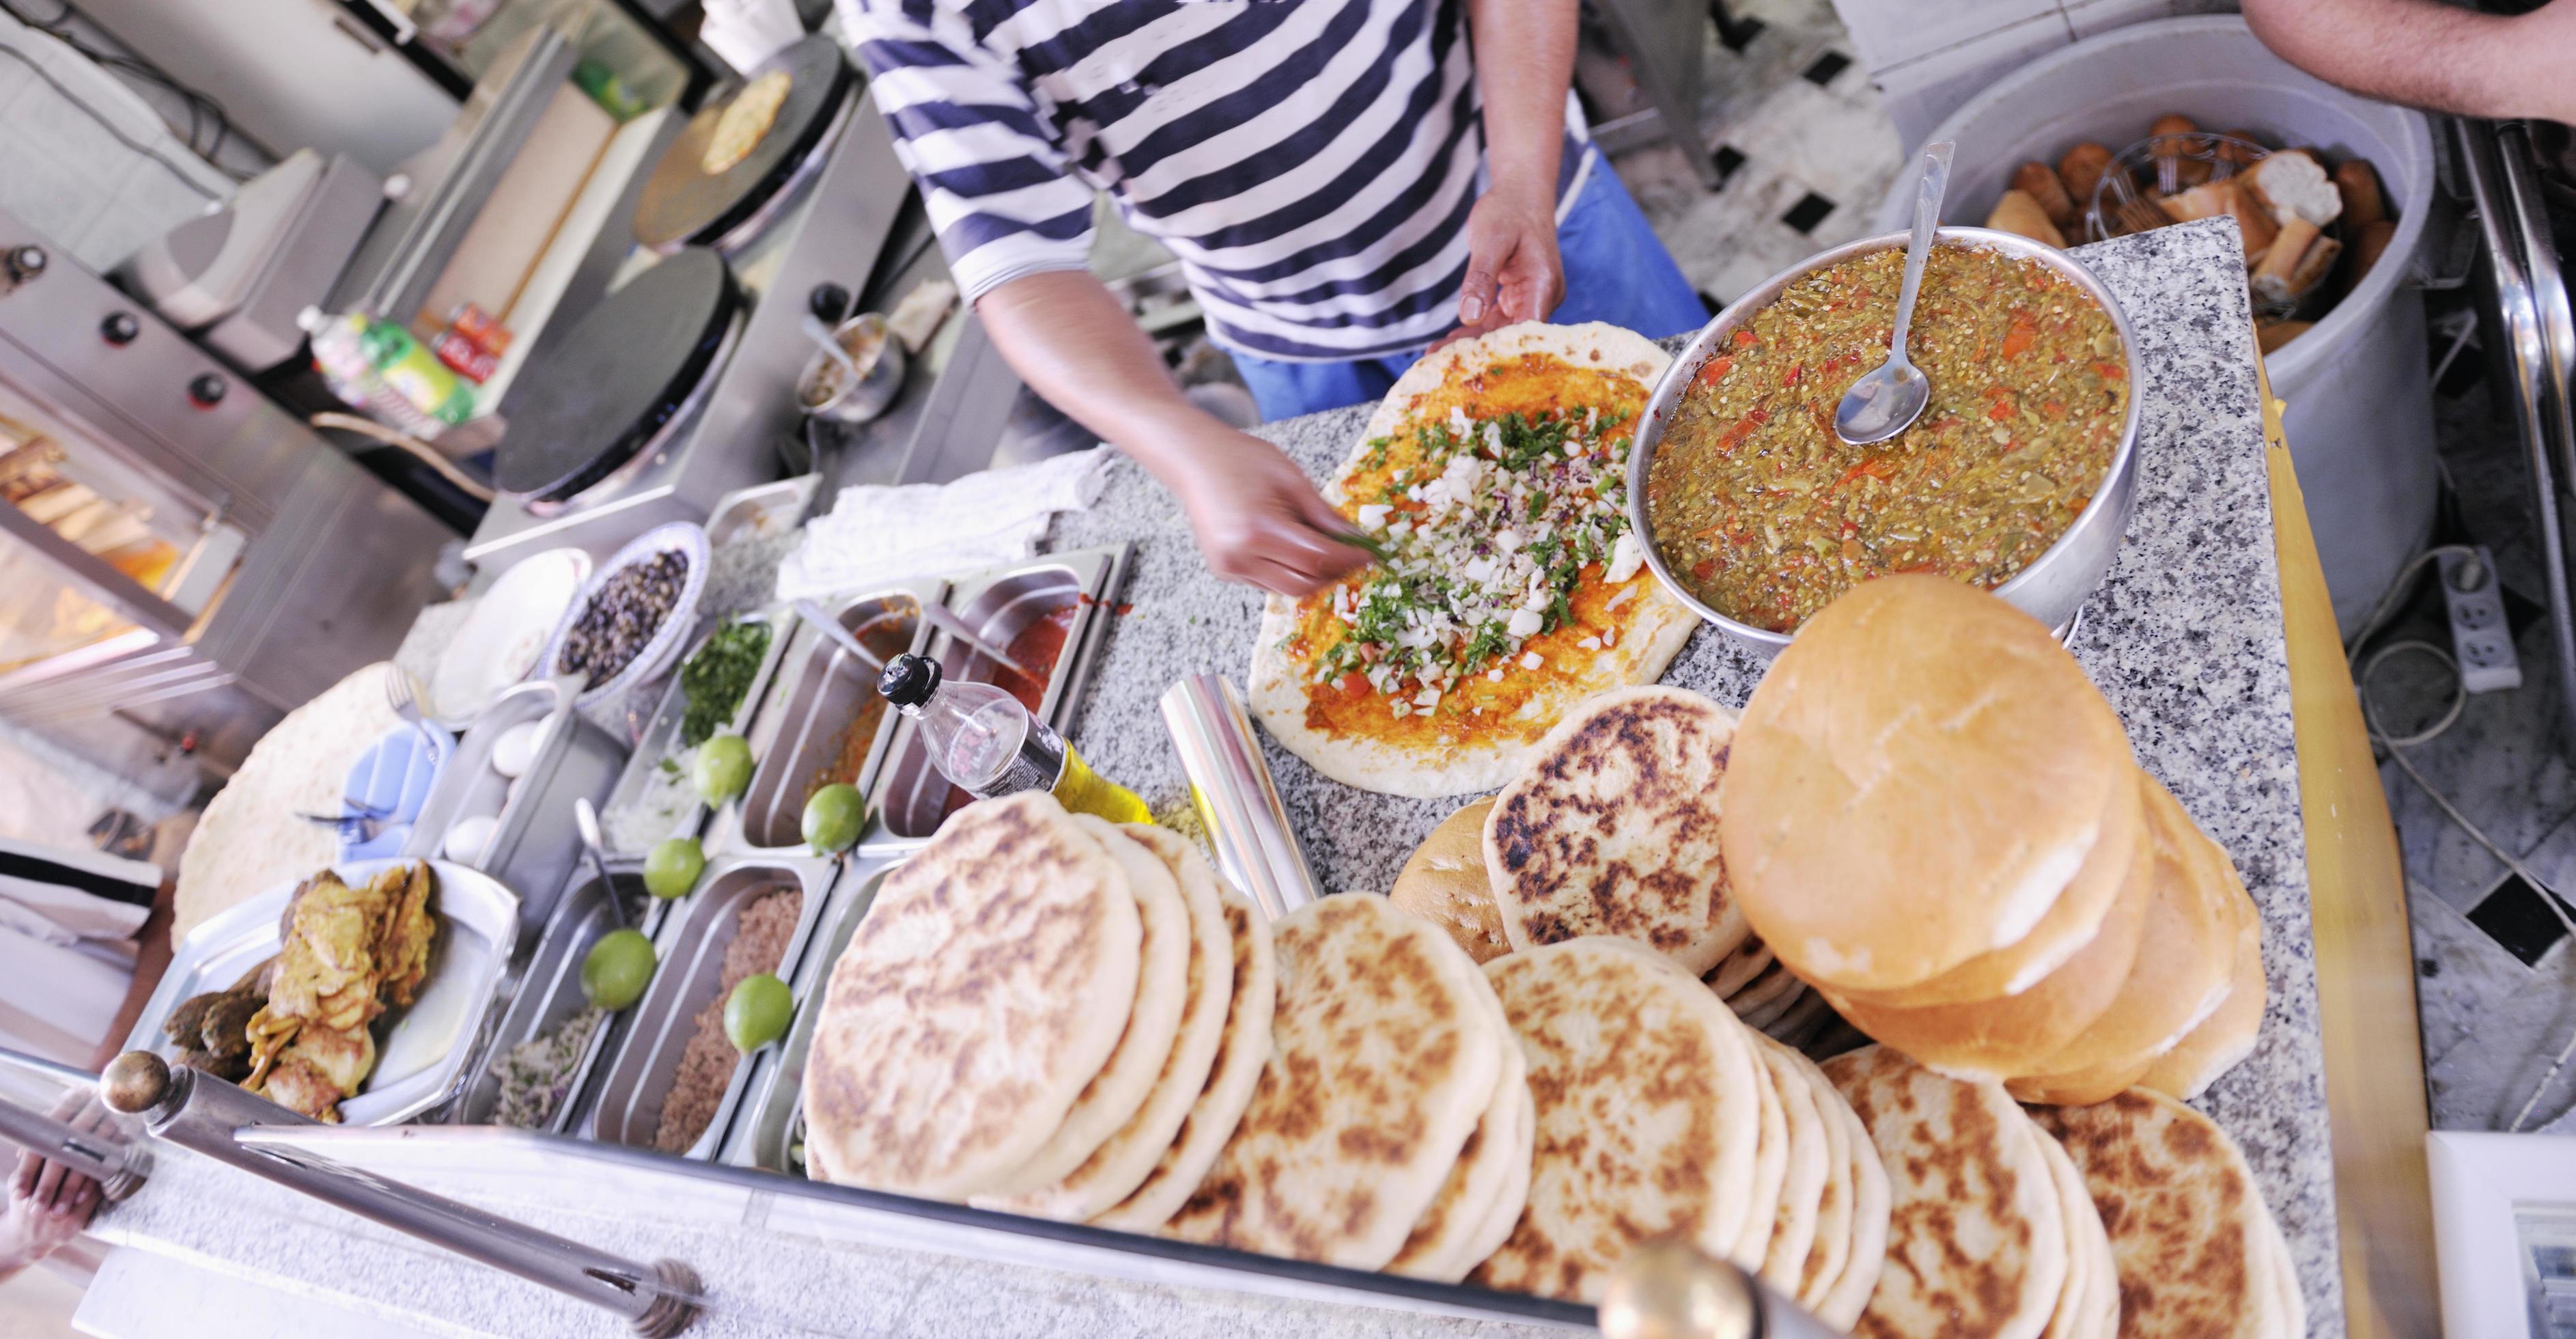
(2480,637)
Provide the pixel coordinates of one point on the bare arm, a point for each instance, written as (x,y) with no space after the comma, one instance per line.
(1257,518)
(2431,54)
(151,959)
(1524,62)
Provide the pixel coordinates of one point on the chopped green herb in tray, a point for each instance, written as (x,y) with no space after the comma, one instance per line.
(718,676)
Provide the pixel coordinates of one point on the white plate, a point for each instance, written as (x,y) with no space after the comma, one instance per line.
(682,537)
(422,1050)
(506,635)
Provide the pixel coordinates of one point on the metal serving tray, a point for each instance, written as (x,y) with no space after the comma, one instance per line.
(661,737)
(535,846)
(809,703)
(548,993)
(423,1050)
(691,946)
(913,797)
(775,1101)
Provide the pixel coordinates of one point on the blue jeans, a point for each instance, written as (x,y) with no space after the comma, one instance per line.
(1616,270)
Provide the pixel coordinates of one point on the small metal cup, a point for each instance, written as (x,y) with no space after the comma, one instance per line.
(827,393)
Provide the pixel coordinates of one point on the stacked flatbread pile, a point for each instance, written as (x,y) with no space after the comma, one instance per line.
(1768,996)
(1934,820)
(1045,1013)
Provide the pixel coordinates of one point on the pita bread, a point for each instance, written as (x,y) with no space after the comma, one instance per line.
(1803,1022)
(1383,1058)
(1770,1162)
(744,122)
(1914,783)
(1444,883)
(1832,1240)
(2186,958)
(1121,1163)
(1505,1215)
(1769,985)
(981,995)
(1442,1244)
(2228,1034)
(1118,1092)
(1613,830)
(1422,756)
(1872,1205)
(2089,1305)
(1802,1184)
(2285,1280)
(1738,968)
(1242,1052)
(1647,1114)
(1976,1242)
(2187,1224)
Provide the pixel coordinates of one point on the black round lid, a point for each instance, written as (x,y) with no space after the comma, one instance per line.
(586,403)
(680,202)
(909,680)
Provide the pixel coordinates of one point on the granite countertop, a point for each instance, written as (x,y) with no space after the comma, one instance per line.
(2185,639)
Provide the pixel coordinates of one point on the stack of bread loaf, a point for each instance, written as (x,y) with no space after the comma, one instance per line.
(1934,820)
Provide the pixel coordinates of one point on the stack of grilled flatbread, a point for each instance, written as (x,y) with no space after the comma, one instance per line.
(1046,1013)
(1934,820)
(1768,996)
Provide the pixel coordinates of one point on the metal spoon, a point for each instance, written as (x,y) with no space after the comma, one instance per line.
(822,335)
(594,848)
(956,627)
(1887,399)
(840,636)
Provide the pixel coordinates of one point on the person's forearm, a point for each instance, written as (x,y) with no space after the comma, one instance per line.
(2428,53)
(1083,353)
(1524,62)
(151,960)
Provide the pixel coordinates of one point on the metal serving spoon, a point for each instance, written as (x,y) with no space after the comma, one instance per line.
(594,849)
(1887,399)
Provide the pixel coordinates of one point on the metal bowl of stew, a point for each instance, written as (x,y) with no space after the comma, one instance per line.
(2054,585)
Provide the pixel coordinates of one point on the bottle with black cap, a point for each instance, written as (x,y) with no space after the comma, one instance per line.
(984,741)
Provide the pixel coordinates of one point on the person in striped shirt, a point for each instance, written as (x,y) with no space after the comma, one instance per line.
(1347,183)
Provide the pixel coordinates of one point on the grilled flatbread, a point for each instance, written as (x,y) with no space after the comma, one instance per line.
(1737,969)
(2193,1240)
(1243,1051)
(1976,1241)
(1121,1162)
(1832,1241)
(1802,1184)
(1647,1114)
(744,122)
(1444,882)
(1492,474)
(1443,1242)
(986,988)
(1383,1060)
(1872,1217)
(2089,1305)
(1612,829)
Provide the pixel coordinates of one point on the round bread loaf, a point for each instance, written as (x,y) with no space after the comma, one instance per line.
(2185,960)
(1444,883)
(1383,1059)
(1976,1240)
(1612,829)
(984,991)
(1647,1114)
(2191,1237)
(1118,1092)
(2228,1034)
(1242,1051)
(1123,1160)
(1914,783)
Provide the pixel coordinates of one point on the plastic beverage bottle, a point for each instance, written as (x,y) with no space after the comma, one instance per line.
(986,743)
(416,373)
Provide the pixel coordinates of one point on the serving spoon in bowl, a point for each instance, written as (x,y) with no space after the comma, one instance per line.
(1888,398)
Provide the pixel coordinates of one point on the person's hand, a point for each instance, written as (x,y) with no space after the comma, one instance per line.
(50,1204)
(1513,270)
(1257,518)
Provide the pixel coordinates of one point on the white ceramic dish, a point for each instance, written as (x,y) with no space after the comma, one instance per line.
(657,655)
(510,628)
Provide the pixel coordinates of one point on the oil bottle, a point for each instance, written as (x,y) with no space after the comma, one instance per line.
(985,742)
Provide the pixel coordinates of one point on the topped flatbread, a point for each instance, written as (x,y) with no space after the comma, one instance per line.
(1493,480)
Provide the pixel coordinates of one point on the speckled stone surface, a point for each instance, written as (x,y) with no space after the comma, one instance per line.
(2184,639)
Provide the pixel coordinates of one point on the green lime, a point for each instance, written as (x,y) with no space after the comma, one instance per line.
(756,1013)
(672,868)
(723,769)
(833,817)
(617,969)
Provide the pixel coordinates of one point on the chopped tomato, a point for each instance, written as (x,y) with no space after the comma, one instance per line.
(2112,371)
(1354,682)
(2018,338)
(2003,409)
(1704,568)
(1877,467)
(1713,369)
(2055,409)
(1796,371)
(1743,337)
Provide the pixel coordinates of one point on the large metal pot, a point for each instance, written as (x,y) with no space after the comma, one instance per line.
(2055,583)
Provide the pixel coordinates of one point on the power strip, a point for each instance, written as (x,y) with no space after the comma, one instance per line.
(2480,637)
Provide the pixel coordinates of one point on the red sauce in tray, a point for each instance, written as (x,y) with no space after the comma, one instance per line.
(1037,647)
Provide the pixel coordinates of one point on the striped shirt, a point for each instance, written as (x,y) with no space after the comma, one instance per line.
(1311,162)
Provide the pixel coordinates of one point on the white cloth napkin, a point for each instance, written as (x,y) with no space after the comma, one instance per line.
(876,534)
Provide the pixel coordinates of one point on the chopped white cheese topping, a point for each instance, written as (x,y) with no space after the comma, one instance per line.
(1525,623)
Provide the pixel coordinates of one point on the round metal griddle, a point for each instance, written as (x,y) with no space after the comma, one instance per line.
(595,398)
(681,204)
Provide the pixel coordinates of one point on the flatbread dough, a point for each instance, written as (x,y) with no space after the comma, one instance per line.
(1409,757)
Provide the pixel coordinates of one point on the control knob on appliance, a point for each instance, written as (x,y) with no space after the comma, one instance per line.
(120,328)
(20,264)
(207,390)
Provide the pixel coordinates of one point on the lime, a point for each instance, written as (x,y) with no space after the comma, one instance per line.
(723,769)
(833,817)
(617,969)
(756,1013)
(672,868)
